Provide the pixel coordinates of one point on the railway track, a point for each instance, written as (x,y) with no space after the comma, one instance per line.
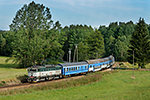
(27,85)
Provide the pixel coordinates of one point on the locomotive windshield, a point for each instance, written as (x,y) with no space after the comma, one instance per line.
(34,70)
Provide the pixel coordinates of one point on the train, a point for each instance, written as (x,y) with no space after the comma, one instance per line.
(49,71)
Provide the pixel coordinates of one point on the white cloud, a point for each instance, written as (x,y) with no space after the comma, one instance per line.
(88,5)
(84,3)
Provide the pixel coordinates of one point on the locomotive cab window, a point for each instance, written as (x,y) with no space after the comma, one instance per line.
(34,70)
(38,70)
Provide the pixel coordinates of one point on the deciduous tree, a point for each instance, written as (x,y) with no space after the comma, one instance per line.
(33,40)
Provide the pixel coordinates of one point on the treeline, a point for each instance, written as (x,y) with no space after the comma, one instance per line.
(117,38)
(53,45)
(34,37)
(92,43)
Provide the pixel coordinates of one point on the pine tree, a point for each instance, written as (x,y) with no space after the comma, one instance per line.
(140,44)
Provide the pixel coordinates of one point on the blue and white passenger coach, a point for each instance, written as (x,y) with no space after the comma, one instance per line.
(74,68)
(99,64)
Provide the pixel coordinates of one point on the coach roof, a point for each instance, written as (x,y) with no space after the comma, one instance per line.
(73,64)
(93,61)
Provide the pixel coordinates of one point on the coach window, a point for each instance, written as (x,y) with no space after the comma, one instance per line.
(65,69)
(78,67)
(86,67)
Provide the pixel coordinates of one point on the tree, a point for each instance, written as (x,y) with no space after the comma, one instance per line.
(76,34)
(32,17)
(140,44)
(2,43)
(32,39)
(121,47)
(110,45)
(96,45)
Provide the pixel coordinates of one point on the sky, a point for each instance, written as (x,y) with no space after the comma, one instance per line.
(85,12)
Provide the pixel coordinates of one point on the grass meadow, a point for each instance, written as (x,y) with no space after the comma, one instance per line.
(8,71)
(112,86)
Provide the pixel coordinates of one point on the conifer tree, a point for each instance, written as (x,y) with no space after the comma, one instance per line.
(140,44)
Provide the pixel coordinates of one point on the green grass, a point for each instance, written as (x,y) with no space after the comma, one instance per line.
(3,60)
(6,73)
(148,65)
(136,65)
(8,70)
(116,86)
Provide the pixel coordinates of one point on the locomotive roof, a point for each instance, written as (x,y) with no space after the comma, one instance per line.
(45,66)
(73,64)
(100,60)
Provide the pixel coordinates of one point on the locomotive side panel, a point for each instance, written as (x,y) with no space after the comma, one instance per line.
(38,73)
